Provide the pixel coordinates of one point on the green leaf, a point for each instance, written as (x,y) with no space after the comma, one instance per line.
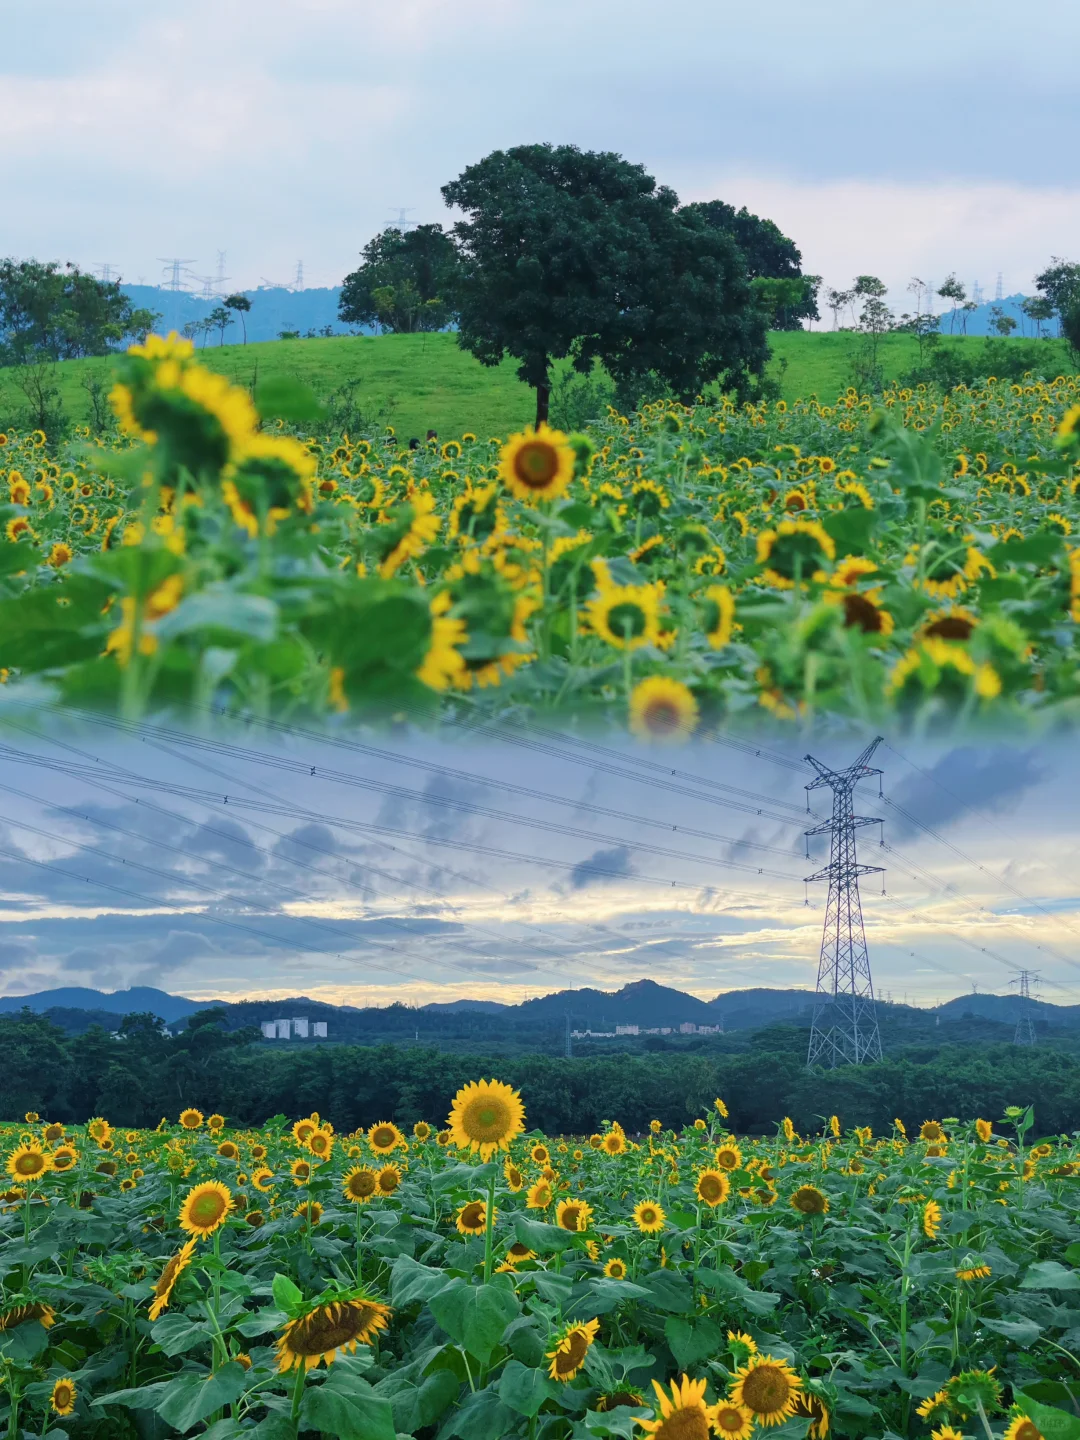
(483,1416)
(176,1334)
(143,1397)
(544,1239)
(25,1342)
(1023,1331)
(434,1395)
(669,1291)
(191,1397)
(287,1295)
(1050,1275)
(410,1281)
(615,1422)
(603,1296)
(475,1315)
(279,398)
(692,1341)
(219,607)
(726,1283)
(1054,1424)
(1034,550)
(349,1417)
(850,529)
(524,1389)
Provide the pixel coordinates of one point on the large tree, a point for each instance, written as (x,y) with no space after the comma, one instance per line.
(574,254)
(1059,284)
(769,255)
(403,282)
(54,312)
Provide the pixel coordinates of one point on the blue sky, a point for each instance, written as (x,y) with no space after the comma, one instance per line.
(899,140)
(122,863)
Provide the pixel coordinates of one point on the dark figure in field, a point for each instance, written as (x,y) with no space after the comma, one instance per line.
(414,443)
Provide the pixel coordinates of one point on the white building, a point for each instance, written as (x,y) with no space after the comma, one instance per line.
(319,1028)
(300,1028)
(269,1029)
(627,1030)
(282,1029)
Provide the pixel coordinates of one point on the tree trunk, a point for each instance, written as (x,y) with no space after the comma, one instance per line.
(543,399)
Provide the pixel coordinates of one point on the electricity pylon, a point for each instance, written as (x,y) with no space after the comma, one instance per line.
(845,1027)
(1024,1033)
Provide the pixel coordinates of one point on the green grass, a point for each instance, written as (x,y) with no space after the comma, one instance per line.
(421,382)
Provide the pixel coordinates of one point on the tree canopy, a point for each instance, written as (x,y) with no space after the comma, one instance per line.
(769,256)
(566,253)
(54,312)
(403,282)
(1059,283)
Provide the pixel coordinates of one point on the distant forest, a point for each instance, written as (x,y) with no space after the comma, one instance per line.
(140,1074)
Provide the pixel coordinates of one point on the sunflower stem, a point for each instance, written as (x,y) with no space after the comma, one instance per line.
(298,1390)
(489,1229)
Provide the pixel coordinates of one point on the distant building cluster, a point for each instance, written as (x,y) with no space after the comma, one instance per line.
(294,1029)
(686,1028)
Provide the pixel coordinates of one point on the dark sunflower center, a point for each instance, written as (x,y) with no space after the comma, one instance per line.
(765,1390)
(648,1217)
(861,614)
(570,1359)
(689,1422)
(329,1327)
(710,1187)
(951,627)
(30,1164)
(536,464)
(472,1217)
(662,716)
(627,620)
(206,1209)
(729,1419)
(571,1217)
(726,1160)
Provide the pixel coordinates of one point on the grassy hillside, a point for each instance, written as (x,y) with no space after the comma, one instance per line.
(417,382)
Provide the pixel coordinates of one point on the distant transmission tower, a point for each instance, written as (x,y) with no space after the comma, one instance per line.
(298,284)
(173,269)
(401,223)
(107,270)
(220,277)
(569,1046)
(999,288)
(845,1027)
(1024,1033)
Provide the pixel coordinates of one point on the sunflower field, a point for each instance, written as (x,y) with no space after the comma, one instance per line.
(913,559)
(483,1280)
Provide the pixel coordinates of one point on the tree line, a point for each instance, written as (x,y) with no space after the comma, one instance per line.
(565,254)
(141,1074)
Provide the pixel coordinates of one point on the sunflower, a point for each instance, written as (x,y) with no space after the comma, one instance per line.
(571,1347)
(649,1217)
(540,1195)
(537,464)
(626,616)
(421,1131)
(62,1399)
(767,1387)
(1022,1427)
(174,1267)
(734,1422)
(712,1187)
(514,1178)
(29,1162)
(360,1184)
(517,1254)
(228,1150)
(809,1200)
(931,1130)
(972,1389)
(255,1218)
(301,1171)
(388,1179)
(540,1155)
(472,1218)
(37,1310)
(933,1404)
(728,1156)
(985,1131)
(303,1130)
(310,1211)
(796,549)
(324,1329)
(617,1399)
(976,1272)
(98,1129)
(573,1215)
(205,1207)
(811,1405)
(486,1116)
(663,709)
(613,1143)
(189,1119)
(321,1144)
(931,1219)
(64,1157)
(683,1416)
(261,1178)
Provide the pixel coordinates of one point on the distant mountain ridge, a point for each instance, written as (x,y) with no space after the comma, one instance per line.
(640,1002)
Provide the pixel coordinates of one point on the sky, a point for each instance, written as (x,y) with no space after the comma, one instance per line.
(367,870)
(901,141)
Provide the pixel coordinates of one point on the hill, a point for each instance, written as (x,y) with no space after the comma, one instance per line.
(422,382)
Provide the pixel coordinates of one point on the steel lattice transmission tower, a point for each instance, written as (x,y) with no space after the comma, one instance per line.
(845,1027)
(1025,1030)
